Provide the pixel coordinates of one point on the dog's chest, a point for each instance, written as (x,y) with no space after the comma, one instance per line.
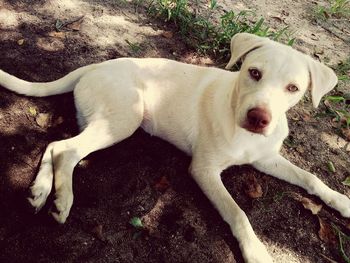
(248,147)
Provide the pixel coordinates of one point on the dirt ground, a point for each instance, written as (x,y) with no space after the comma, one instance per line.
(144,176)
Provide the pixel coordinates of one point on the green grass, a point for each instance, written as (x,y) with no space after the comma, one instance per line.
(335,9)
(338,103)
(134,47)
(200,32)
(343,70)
(346,181)
(339,109)
(344,243)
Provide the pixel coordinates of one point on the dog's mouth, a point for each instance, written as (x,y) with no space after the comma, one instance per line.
(253,129)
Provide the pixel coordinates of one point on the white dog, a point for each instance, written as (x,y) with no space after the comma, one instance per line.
(219,117)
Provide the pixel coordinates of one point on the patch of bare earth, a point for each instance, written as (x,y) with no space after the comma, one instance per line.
(144,176)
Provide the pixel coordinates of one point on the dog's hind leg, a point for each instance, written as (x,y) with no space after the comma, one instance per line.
(110,109)
(61,157)
(66,154)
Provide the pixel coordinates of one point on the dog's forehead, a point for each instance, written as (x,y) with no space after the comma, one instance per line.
(280,65)
(278,58)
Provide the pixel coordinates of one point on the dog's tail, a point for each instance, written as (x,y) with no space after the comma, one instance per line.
(43,89)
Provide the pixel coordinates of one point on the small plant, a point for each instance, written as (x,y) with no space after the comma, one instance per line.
(346,181)
(213,4)
(339,108)
(336,9)
(207,37)
(331,167)
(134,47)
(344,243)
(136,222)
(176,11)
(338,104)
(232,23)
(343,70)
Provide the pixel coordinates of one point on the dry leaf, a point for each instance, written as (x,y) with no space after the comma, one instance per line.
(346,133)
(326,232)
(278,18)
(306,117)
(58,121)
(295,116)
(75,25)
(310,205)
(50,44)
(57,34)
(20,42)
(253,188)
(285,13)
(318,50)
(300,149)
(98,232)
(314,37)
(327,104)
(32,111)
(43,120)
(167,34)
(162,184)
(307,203)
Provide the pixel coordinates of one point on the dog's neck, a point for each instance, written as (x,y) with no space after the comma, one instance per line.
(227,102)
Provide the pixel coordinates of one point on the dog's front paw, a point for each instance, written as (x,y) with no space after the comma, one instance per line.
(256,253)
(341,203)
(61,207)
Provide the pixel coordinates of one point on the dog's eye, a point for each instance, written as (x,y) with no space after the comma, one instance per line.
(254,74)
(292,88)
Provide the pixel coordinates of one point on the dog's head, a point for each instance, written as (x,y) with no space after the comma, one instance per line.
(273,78)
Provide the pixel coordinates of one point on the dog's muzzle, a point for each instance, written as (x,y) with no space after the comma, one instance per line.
(257,120)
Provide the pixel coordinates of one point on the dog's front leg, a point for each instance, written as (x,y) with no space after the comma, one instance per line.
(209,181)
(279,167)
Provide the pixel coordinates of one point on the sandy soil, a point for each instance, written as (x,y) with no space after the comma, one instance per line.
(144,176)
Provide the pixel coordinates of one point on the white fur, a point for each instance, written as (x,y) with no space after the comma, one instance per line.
(198,109)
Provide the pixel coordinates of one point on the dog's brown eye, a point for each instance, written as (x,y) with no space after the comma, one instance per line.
(255,74)
(292,88)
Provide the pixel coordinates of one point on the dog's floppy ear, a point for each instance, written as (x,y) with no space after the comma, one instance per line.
(243,43)
(322,80)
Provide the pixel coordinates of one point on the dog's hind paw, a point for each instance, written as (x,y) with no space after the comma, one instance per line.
(38,195)
(61,207)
